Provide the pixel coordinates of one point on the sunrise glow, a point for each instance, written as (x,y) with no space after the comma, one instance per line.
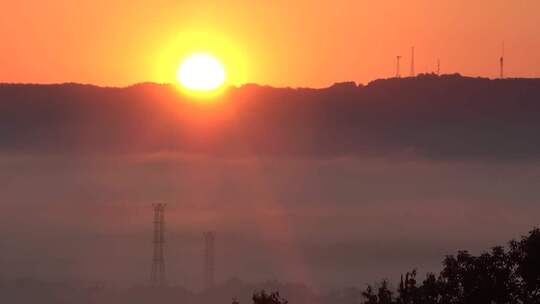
(201,73)
(270,152)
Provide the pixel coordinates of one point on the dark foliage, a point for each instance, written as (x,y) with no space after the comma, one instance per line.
(499,276)
(262,297)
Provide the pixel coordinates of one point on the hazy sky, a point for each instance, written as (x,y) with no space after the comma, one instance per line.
(282,43)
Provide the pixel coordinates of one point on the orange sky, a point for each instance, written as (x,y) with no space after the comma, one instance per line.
(281,43)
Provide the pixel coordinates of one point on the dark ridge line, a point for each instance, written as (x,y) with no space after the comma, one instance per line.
(265,86)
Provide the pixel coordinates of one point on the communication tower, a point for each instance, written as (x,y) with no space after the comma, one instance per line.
(157,274)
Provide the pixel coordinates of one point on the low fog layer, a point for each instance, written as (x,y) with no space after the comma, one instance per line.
(330,187)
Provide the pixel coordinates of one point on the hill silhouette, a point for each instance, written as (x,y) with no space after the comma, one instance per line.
(446,117)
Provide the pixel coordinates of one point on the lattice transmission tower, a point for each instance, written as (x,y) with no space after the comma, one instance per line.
(157,274)
(209,260)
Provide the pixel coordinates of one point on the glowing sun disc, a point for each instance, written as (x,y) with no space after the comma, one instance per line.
(201,72)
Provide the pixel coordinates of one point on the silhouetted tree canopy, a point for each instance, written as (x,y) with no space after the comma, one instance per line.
(499,276)
(262,297)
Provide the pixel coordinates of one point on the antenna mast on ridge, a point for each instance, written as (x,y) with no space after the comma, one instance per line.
(412,62)
(501,61)
(398,75)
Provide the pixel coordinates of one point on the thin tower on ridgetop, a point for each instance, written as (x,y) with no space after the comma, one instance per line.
(157,275)
(413,73)
(438,67)
(209,262)
(398,58)
(501,61)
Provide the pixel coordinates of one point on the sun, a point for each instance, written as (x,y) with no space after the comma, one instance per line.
(201,72)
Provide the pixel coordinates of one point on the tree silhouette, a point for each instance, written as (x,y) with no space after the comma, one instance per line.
(408,292)
(370,296)
(262,297)
(384,294)
(430,290)
(495,277)
(524,258)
